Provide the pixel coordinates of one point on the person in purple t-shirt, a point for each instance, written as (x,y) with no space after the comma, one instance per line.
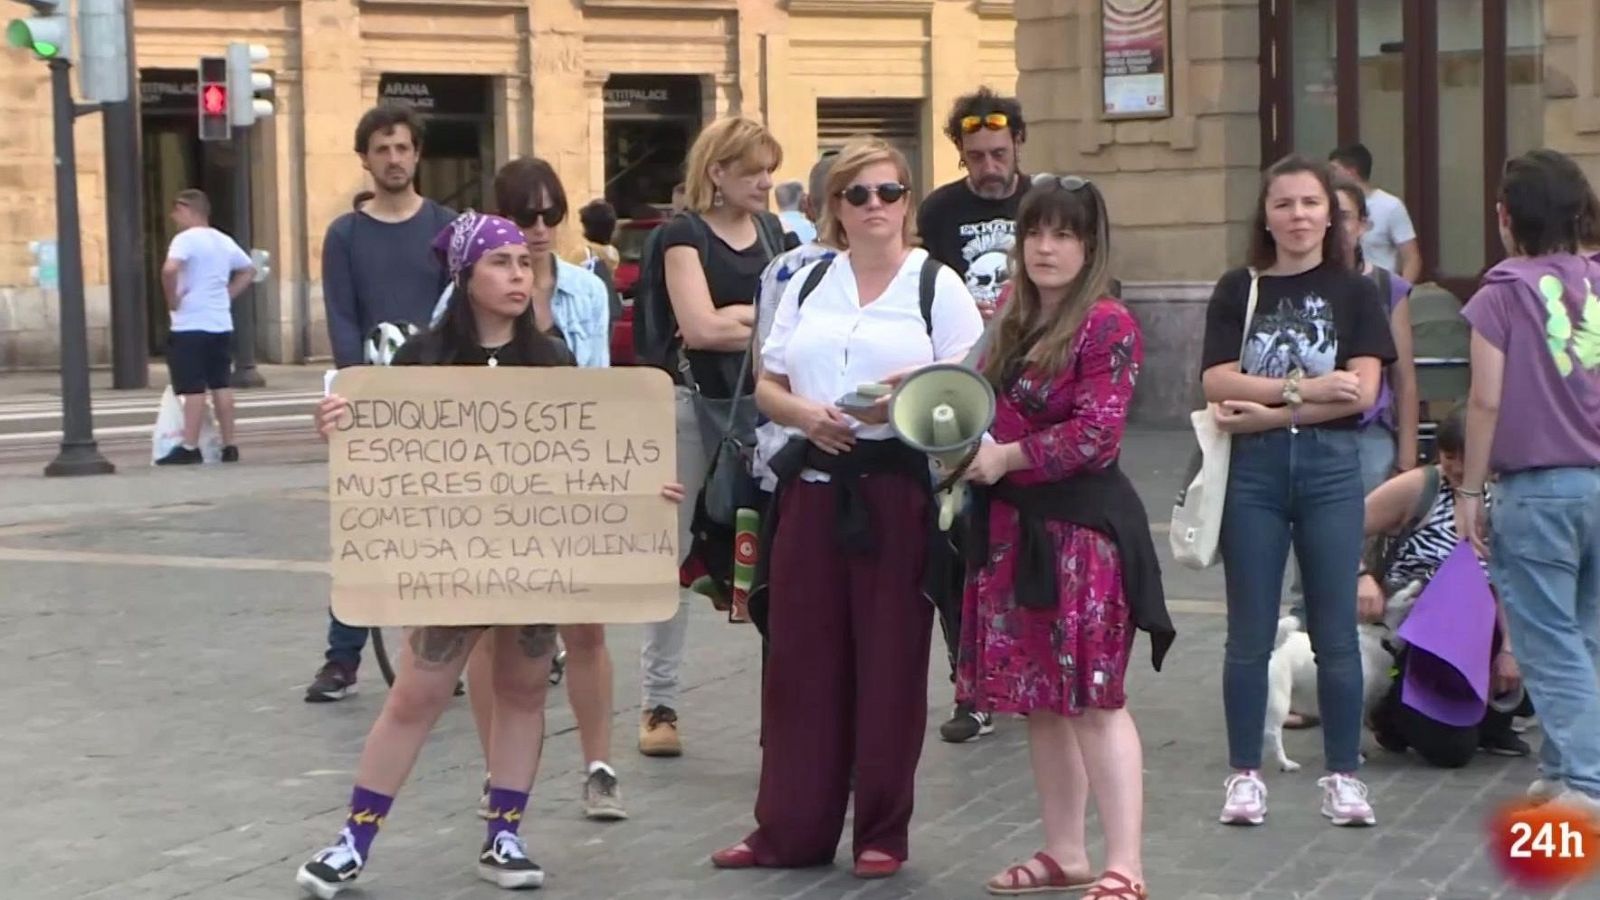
(1533,419)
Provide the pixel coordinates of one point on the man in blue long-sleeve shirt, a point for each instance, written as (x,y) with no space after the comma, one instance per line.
(377,266)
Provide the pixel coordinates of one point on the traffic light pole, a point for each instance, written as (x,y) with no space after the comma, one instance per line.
(79,455)
(245,374)
(130,348)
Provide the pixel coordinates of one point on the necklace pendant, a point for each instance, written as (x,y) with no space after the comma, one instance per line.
(493,361)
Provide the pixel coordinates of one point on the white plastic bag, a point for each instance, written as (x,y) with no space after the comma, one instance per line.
(169,430)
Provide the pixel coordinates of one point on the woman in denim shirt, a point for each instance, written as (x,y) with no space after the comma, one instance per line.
(570,305)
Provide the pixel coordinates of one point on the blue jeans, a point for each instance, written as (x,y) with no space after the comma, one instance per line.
(345,643)
(1545,561)
(1304,488)
(1375,447)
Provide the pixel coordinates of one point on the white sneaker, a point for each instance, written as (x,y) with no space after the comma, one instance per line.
(1584,804)
(1543,790)
(1344,800)
(1246,800)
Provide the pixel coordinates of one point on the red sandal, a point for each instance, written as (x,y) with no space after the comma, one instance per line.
(1019,879)
(1128,890)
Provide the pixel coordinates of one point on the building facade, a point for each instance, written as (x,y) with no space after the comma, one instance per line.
(611,92)
(1441,91)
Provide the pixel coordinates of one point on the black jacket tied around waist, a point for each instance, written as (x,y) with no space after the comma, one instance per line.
(1102,500)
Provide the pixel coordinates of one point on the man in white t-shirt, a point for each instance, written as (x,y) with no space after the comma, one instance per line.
(204,271)
(1391,242)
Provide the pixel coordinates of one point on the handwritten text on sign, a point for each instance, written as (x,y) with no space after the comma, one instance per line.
(475,496)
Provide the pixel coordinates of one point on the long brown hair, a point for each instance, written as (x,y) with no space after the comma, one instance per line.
(1263,253)
(1025,336)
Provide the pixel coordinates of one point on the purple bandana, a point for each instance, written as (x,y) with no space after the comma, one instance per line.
(465,241)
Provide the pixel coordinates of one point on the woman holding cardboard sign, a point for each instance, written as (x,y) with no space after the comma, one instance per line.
(569,305)
(846,685)
(489,261)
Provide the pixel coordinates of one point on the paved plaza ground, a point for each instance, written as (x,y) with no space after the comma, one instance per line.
(157,629)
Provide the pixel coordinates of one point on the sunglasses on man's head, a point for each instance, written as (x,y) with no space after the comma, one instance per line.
(552,217)
(1068,182)
(996,121)
(861,194)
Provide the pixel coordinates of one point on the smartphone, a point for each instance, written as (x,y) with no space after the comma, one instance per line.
(864,398)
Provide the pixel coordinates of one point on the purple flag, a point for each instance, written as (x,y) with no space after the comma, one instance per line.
(1450,630)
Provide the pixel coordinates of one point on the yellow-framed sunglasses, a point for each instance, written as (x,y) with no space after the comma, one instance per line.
(995,121)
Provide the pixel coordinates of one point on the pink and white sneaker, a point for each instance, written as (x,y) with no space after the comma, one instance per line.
(1246,801)
(1344,800)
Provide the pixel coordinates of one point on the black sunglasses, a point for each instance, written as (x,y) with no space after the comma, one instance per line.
(552,217)
(1069,182)
(860,194)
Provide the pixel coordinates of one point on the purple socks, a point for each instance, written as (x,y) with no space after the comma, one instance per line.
(368,809)
(505,810)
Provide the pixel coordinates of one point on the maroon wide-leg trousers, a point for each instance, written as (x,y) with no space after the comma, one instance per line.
(846,685)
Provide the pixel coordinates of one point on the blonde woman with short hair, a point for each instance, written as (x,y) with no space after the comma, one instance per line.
(845,692)
(714,252)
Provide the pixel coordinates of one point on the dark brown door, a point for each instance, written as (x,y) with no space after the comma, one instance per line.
(1441,92)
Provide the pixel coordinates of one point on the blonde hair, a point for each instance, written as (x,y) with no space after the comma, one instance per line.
(726,142)
(857,155)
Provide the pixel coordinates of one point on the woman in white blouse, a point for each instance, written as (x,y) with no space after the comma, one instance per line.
(845,687)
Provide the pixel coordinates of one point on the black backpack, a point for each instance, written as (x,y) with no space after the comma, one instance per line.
(927,286)
(655,329)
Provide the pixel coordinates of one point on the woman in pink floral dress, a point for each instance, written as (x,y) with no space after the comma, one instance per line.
(1065,570)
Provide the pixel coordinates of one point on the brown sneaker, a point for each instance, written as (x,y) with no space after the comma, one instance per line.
(658,732)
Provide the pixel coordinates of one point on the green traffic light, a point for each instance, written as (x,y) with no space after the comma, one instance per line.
(20,35)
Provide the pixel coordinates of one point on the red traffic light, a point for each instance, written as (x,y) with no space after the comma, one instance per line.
(214,99)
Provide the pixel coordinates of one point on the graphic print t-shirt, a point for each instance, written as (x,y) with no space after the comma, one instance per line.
(972,235)
(1315,321)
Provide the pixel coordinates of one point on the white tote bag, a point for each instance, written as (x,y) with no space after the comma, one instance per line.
(1197,515)
(169,430)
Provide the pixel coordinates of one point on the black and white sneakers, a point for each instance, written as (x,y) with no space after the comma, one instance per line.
(333,869)
(966,724)
(504,862)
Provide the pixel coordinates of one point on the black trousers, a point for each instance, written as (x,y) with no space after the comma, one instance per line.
(1398,727)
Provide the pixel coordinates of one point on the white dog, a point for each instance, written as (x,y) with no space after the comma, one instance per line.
(1292,672)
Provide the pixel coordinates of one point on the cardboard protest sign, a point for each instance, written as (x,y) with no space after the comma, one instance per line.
(510,495)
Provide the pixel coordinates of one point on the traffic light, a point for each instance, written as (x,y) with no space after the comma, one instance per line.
(212,98)
(103,70)
(246,85)
(48,33)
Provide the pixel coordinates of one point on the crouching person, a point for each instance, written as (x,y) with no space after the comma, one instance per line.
(1410,527)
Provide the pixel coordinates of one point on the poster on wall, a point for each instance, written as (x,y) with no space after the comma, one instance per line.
(1135,37)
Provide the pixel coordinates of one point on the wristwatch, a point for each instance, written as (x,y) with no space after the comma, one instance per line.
(1291,387)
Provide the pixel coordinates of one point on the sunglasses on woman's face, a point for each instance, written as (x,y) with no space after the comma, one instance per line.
(552,217)
(997,121)
(861,194)
(1068,182)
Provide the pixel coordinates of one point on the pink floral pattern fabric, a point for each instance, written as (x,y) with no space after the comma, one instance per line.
(1017,660)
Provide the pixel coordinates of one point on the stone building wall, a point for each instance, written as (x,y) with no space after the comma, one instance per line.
(548,60)
(1181,190)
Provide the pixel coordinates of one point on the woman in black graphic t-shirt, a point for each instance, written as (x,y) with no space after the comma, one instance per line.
(1312,354)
